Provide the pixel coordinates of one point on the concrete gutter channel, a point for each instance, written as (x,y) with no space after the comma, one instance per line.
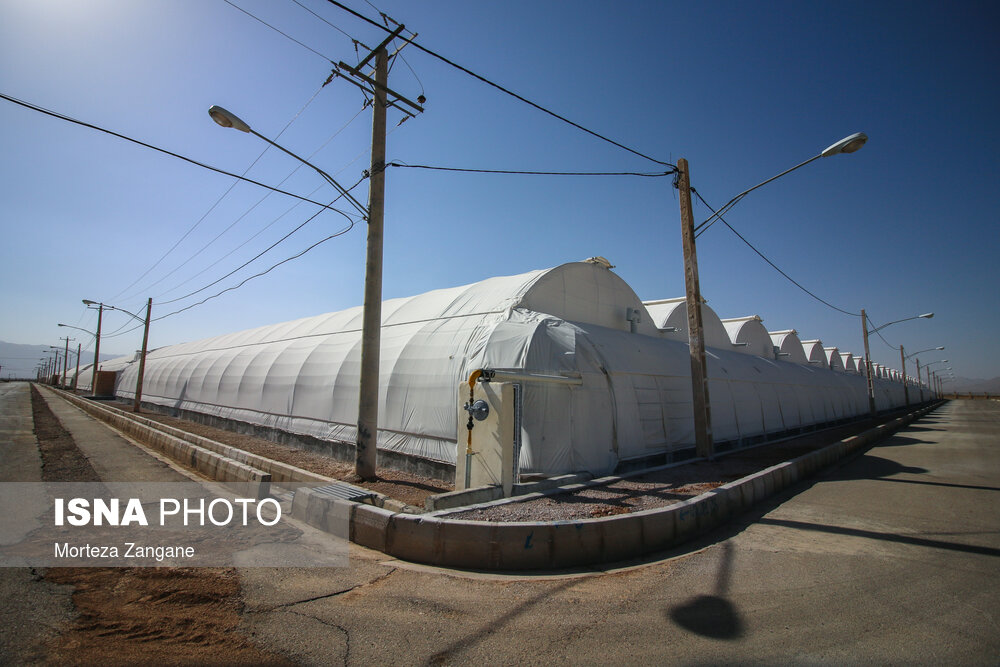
(434,539)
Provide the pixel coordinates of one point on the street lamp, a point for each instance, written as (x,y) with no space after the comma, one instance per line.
(145,342)
(76,378)
(919,385)
(939,347)
(868,361)
(928,369)
(226,118)
(696,335)
(97,342)
(367,435)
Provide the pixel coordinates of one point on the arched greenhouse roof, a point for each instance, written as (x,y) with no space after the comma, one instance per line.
(670,315)
(814,352)
(788,346)
(748,335)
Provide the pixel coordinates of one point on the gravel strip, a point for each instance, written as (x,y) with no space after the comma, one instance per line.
(661,487)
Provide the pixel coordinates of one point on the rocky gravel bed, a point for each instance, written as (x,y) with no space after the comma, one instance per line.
(658,488)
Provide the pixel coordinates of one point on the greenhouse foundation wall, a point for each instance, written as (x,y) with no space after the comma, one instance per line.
(445,472)
(336,450)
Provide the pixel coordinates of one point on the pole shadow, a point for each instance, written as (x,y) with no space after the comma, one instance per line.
(712,616)
(872,467)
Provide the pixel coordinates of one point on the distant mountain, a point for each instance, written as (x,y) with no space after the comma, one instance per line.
(20,361)
(975,386)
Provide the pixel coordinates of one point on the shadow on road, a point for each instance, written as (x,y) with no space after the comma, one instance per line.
(712,615)
(888,537)
(899,441)
(873,467)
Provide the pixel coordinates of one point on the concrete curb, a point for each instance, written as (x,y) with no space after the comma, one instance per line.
(485,545)
(212,464)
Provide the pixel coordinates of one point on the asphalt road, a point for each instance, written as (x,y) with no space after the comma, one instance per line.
(890,558)
(887,558)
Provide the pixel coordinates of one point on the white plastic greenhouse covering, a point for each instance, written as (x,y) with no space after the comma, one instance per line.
(634,400)
(833,359)
(86,378)
(749,336)
(670,315)
(847,359)
(788,347)
(815,353)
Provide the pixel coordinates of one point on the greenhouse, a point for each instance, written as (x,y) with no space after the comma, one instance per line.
(626,365)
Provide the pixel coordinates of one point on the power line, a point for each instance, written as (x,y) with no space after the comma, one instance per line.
(241,283)
(335,27)
(879,334)
(217,170)
(266,250)
(283,34)
(773,265)
(247,212)
(212,208)
(264,272)
(275,220)
(501,88)
(397,163)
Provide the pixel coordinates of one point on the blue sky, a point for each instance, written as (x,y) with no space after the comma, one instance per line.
(741,90)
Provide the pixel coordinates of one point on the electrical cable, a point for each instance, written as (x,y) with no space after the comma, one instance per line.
(262,273)
(501,88)
(243,282)
(773,265)
(335,27)
(251,238)
(258,203)
(212,208)
(283,34)
(397,163)
(879,333)
(262,253)
(217,170)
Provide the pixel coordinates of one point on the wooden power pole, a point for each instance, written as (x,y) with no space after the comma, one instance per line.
(696,332)
(868,364)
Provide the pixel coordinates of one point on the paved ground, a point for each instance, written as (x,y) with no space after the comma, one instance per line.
(889,558)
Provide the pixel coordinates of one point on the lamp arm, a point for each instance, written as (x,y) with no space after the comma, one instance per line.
(354,202)
(732,202)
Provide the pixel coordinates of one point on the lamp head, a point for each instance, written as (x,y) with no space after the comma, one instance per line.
(88,302)
(846,145)
(227,119)
(927,316)
(61,325)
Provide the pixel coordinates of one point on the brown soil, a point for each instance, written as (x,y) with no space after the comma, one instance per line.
(169,616)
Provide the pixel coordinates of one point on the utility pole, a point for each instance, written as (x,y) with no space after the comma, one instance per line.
(704,445)
(97,346)
(371,328)
(902,363)
(66,360)
(142,358)
(79,347)
(919,386)
(868,364)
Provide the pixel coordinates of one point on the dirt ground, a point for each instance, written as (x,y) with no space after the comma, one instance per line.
(405,487)
(126,616)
